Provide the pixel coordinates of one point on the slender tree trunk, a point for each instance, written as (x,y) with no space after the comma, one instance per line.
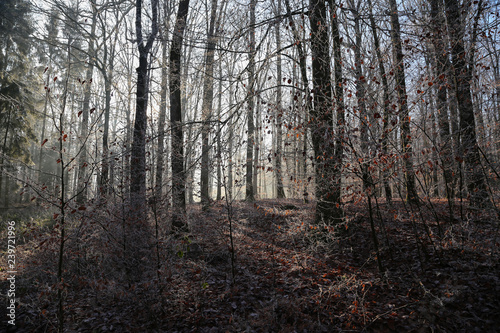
(279,115)
(108,73)
(179,223)
(404,116)
(163,108)
(82,185)
(62,199)
(219,143)
(230,156)
(4,150)
(42,137)
(438,61)
(161,123)
(104,180)
(189,149)
(126,157)
(69,189)
(305,82)
(387,112)
(340,116)
(360,93)
(256,145)
(455,131)
(249,196)
(207,107)
(435,178)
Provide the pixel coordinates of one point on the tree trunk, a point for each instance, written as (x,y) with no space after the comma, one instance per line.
(230,156)
(136,237)
(256,145)
(404,117)
(219,143)
(362,111)
(138,158)
(62,197)
(340,116)
(249,193)
(42,136)
(387,112)
(328,199)
(305,82)
(179,223)
(163,108)
(104,180)
(4,150)
(207,107)
(82,185)
(438,60)
(279,115)
(475,179)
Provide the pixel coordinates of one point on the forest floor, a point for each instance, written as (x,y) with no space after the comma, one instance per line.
(288,275)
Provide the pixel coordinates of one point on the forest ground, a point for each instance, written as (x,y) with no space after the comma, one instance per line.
(290,275)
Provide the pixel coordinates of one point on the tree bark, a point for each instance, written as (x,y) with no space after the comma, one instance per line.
(305,82)
(219,142)
(179,223)
(404,116)
(362,111)
(163,108)
(327,187)
(475,179)
(280,191)
(138,158)
(387,112)
(249,192)
(438,60)
(207,107)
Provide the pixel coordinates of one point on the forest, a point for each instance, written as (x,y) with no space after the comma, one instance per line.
(250,166)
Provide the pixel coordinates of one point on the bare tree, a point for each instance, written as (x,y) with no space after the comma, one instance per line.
(279,112)
(249,196)
(328,199)
(207,106)
(404,115)
(386,109)
(179,224)
(138,165)
(474,175)
(163,104)
(439,59)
